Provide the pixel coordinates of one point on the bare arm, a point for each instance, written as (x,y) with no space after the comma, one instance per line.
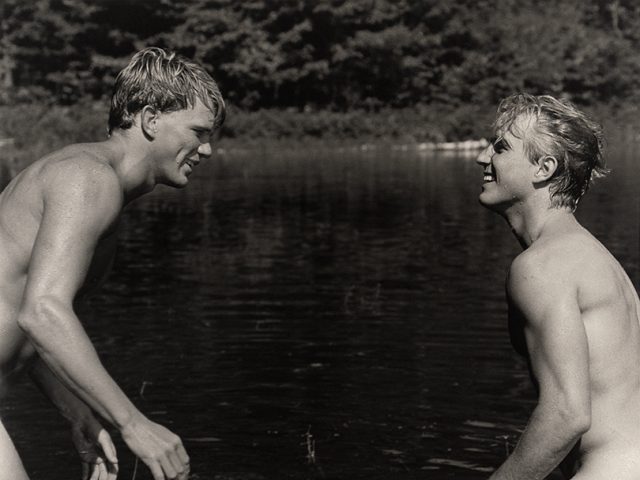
(93,442)
(79,207)
(70,406)
(81,203)
(558,350)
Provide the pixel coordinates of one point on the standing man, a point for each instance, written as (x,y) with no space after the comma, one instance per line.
(58,223)
(573,312)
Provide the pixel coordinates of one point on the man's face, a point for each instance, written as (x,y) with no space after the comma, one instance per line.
(507,170)
(183,140)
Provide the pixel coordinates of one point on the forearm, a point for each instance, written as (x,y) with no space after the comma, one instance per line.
(545,442)
(66,349)
(67,403)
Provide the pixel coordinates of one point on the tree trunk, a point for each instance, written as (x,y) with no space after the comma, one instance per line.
(614,8)
(6,71)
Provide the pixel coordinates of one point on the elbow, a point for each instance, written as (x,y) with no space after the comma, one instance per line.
(583,423)
(39,313)
(580,425)
(576,419)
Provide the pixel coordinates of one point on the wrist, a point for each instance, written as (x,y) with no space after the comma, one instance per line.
(129,423)
(79,414)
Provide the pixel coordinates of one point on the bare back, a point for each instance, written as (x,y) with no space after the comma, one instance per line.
(609,310)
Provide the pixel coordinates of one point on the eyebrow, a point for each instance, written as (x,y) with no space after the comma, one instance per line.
(203,128)
(500,139)
(203,123)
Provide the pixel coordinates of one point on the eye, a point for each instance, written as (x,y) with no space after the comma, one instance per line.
(499,146)
(203,135)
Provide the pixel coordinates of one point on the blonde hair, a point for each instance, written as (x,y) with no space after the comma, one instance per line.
(558,129)
(165,81)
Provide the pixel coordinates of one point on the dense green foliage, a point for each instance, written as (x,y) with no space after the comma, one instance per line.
(333,55)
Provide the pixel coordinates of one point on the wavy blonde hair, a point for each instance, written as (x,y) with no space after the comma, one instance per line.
(558,129)
(165,81)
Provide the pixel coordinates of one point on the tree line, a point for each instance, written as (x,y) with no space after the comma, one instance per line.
(332,55)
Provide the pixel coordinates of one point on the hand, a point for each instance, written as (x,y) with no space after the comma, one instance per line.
(161,450)
(96,450)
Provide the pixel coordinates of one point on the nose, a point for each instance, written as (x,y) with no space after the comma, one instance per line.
(484,158)
(204,149)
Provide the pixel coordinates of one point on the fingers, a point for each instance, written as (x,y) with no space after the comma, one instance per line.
(97,471)
(182,454)
(112,471)
(107,446)
(160,449)
(109,451)
(179,461)
(170,467)
(167,467)
(156,471)
(103,471)
(185,474)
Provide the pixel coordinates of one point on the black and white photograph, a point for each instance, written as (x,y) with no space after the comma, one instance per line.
(319,239)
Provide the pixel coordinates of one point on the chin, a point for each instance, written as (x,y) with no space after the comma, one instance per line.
(495,206)
(484,201)
(176,184)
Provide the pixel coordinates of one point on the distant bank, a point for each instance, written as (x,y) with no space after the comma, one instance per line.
(29,131)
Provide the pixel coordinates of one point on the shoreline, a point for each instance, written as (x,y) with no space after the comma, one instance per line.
(33,130)
(461,148)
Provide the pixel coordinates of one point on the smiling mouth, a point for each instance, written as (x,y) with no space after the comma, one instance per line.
(191,163)
(488,178)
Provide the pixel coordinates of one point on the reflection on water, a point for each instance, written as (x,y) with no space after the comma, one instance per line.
(319,315)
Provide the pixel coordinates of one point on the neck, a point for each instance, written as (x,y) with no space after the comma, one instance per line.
(530,222)
(131,164)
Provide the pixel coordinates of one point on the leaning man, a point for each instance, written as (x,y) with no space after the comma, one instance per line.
(573,312)
(58,223)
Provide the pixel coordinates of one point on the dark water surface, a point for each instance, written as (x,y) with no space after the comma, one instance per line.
(317,314)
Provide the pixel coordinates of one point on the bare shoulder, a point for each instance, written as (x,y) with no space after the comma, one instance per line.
(546,263)
(79,182)
(549,271)
(562,269)
(558,259)
(81,173)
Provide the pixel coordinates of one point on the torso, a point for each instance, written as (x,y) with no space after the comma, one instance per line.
(610,313)
(21,210)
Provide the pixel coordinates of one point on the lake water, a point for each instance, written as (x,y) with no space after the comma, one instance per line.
(319,315)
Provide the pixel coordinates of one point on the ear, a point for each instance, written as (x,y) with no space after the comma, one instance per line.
(149,121)
(545,166)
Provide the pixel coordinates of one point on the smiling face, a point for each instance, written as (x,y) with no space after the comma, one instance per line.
(507,170)
(182,140)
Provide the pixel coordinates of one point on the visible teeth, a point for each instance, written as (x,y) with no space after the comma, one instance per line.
(488,178)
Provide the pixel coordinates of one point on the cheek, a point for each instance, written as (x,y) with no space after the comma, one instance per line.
(185,144)
(190,144)
(503,168)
